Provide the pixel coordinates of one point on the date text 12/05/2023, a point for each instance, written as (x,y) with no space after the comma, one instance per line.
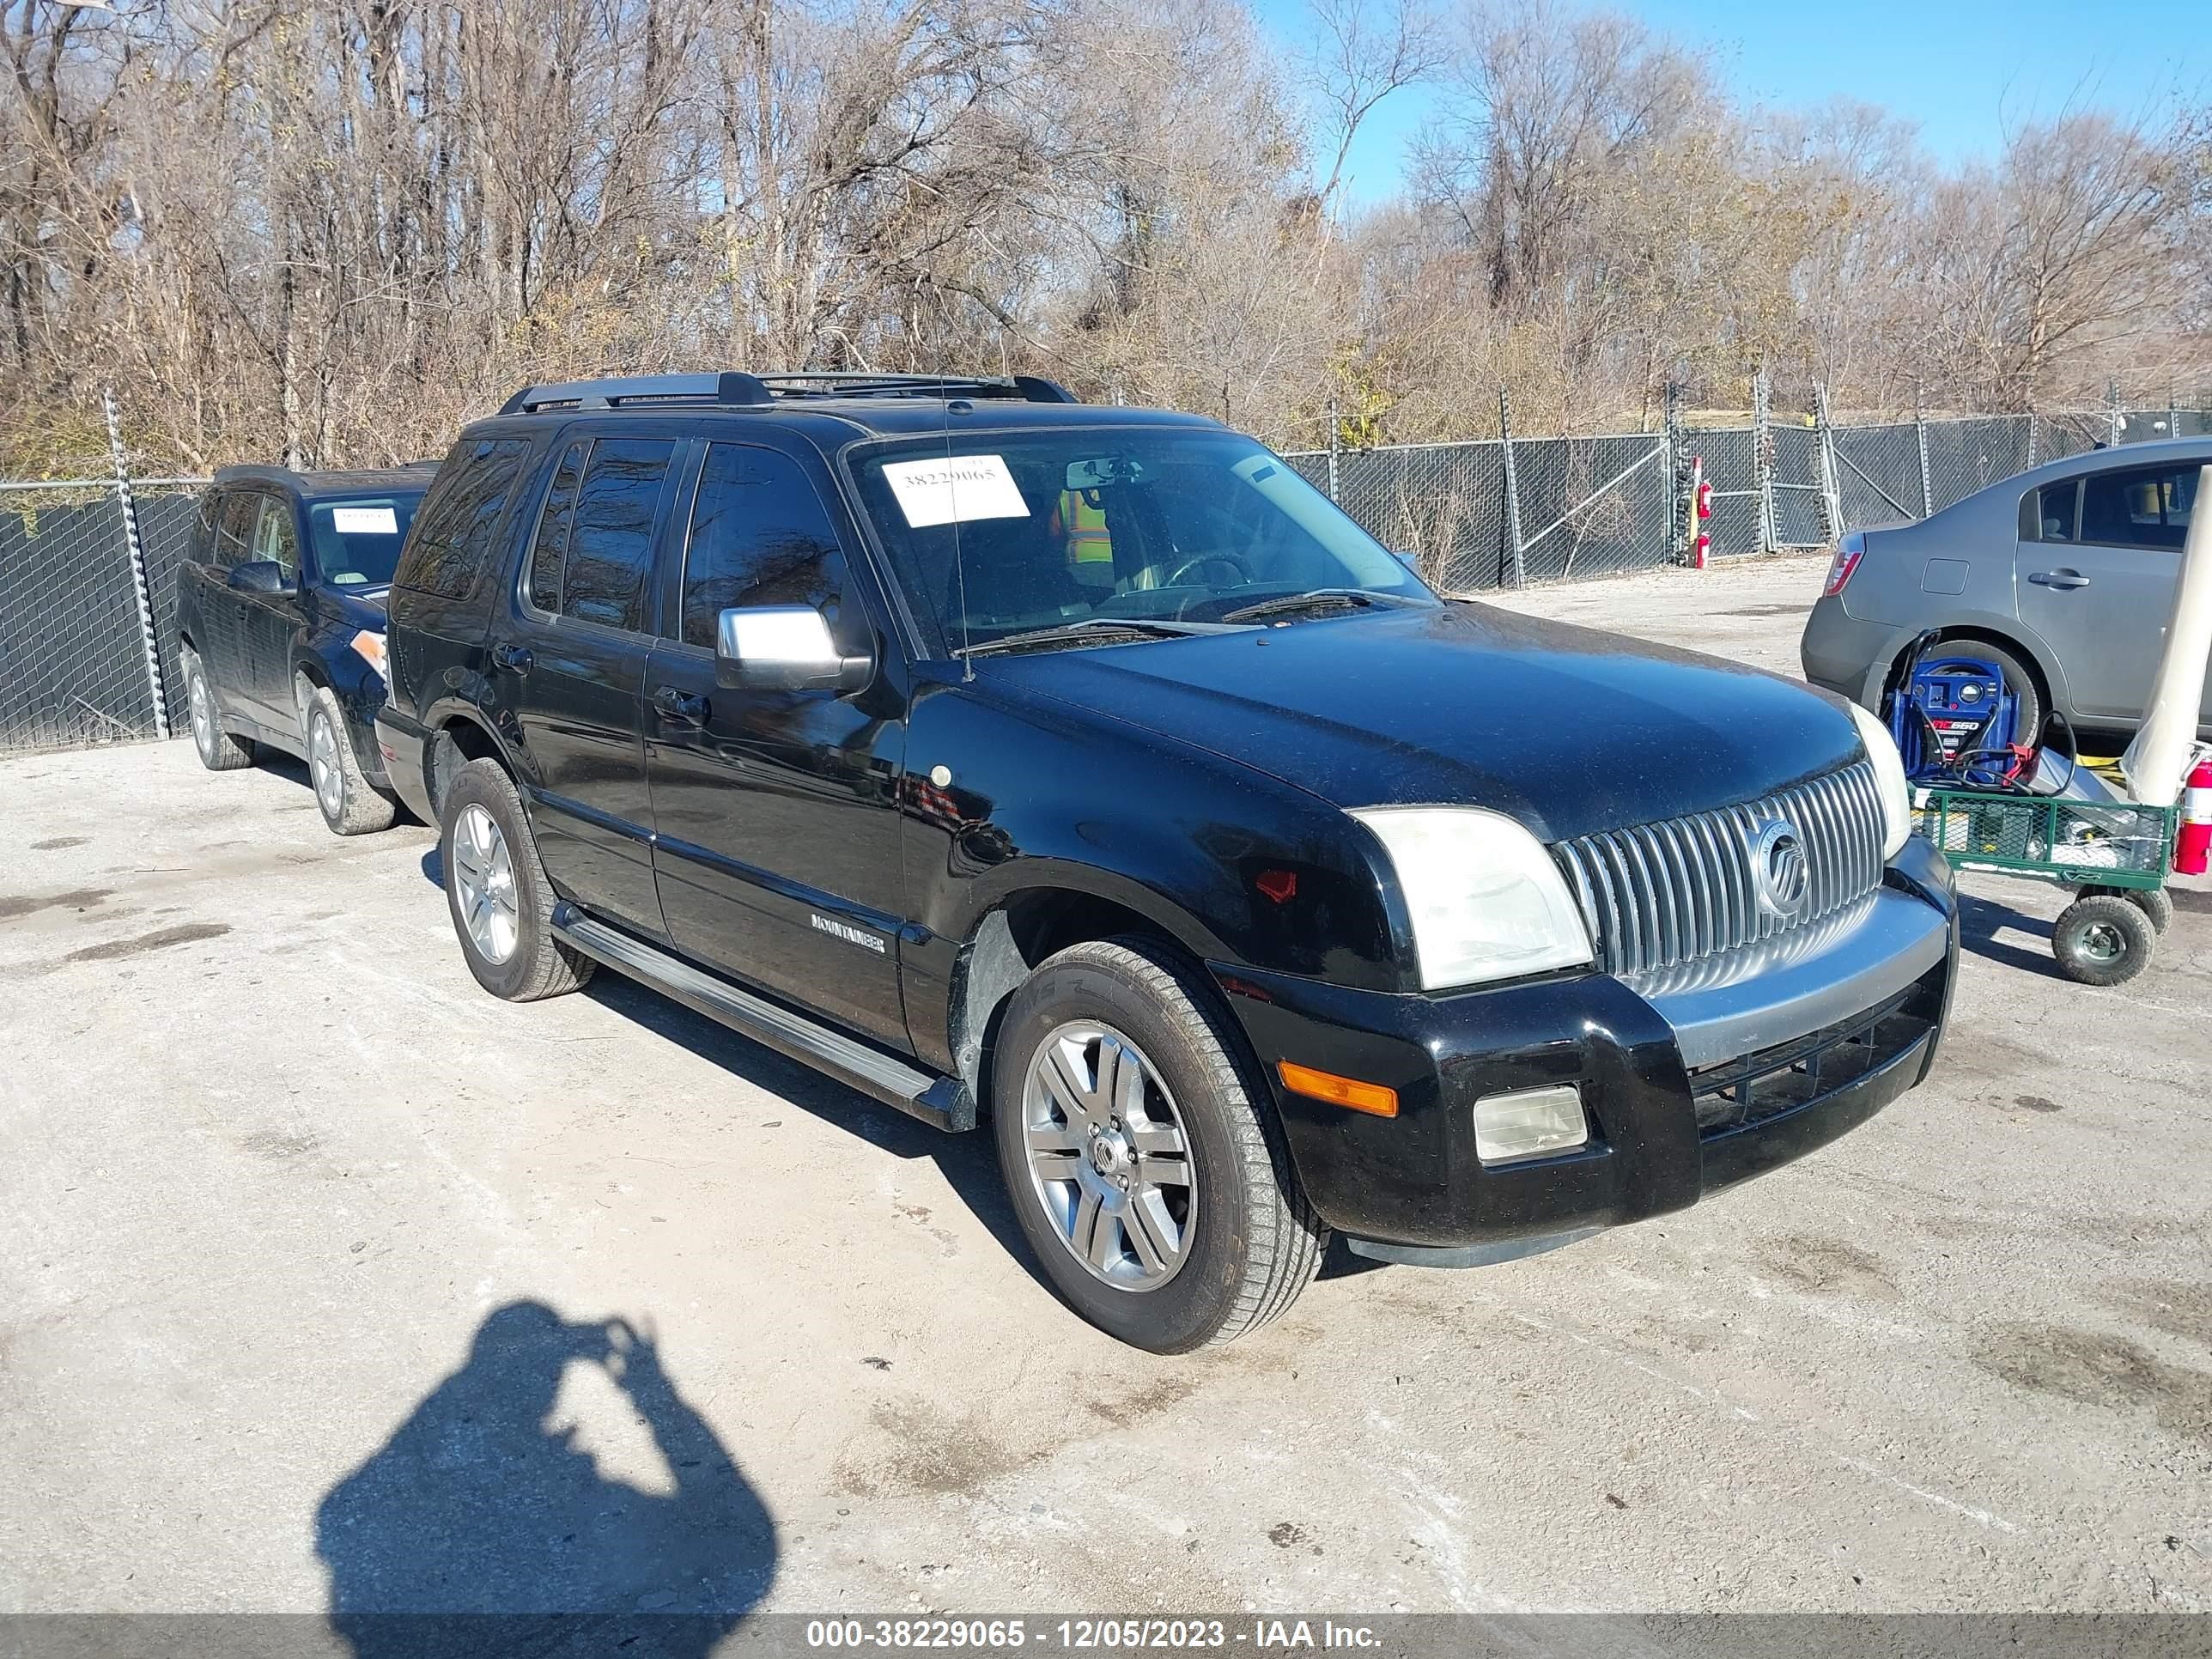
(1089,1635)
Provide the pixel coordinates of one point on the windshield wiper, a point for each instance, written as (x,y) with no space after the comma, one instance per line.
(1091,629)
(1317,599)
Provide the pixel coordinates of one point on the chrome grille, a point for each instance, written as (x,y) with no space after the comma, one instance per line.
(1660,894)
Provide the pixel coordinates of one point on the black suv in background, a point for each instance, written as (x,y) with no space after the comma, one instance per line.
(280,614)
(1087,769)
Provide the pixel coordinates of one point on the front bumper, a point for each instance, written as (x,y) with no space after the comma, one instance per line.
(1687,1089)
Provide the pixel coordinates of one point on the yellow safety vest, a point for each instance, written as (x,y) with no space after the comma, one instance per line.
(1082,528)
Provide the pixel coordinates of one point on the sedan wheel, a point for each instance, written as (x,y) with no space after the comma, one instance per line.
(1109,1156)
(484,871)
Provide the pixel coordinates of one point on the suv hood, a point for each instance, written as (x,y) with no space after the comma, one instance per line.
(1567,729)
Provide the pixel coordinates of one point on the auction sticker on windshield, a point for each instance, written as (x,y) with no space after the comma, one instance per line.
(365,521)
(959,486)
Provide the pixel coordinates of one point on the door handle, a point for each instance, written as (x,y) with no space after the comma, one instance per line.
(2059,579)
(515,658)
(683,706)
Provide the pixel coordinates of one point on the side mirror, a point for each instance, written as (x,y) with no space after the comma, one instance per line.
(784,648)
(1408,556)
(260,576)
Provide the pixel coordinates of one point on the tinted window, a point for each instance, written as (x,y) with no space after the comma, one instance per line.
(550,550)
(357,542)
(610,543)
(276,538)
(2055,504)
(759,536)
(234,528)
(2148,507)
(451,542)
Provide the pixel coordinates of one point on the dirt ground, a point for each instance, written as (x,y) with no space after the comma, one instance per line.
(312,1248)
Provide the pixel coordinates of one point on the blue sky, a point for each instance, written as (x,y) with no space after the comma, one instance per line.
(1959,69)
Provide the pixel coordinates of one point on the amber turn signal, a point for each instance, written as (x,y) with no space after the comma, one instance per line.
(1347,1092)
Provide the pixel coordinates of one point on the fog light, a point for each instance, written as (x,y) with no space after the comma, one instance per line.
(1529,1124)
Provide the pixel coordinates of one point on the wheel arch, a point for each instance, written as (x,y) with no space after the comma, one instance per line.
(2050,682)
(1025,925)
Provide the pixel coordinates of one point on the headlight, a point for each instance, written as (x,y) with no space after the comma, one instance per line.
(1486,901)
(1889,778)
(369,647)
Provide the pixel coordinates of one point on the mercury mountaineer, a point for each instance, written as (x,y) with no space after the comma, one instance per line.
(1084,771)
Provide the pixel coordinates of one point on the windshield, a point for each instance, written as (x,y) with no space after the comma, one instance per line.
(1076,526)
(357,542)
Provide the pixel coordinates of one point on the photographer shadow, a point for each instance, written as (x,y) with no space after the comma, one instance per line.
(481,1526)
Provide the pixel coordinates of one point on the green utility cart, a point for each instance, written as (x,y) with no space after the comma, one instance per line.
(2114,854)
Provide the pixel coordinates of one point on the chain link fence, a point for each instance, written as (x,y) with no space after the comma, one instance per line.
(73,663)
(1501,512)
(88,566)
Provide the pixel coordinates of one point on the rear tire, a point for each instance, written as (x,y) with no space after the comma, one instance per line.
(497,891)
(350,804)
(219,752)
(1128,1117)
(2102,939)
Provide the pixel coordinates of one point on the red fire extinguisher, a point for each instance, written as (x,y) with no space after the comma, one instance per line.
(2192,848)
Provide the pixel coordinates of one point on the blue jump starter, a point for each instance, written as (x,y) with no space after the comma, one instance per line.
(1948,717)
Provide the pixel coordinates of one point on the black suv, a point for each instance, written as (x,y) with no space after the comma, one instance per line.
(1086,768)
(280,618)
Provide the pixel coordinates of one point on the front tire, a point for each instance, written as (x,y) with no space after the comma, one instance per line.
(2102,939)
(350,804)
(219,752)
(497,891)
(1142,1153)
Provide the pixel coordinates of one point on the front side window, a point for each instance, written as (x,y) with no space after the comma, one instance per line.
(357,542)
(2146,508)
(451,544)
(233,535)
(609,556)
(275,540)
(759,536)
(1088,525)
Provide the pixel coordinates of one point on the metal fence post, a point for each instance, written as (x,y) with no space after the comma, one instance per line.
(1762,459)
(1332,448)
(1677,544)
(1514,575)
(2119,421)
(2034,433)
(137,554)
(1832,499)
(1920,432)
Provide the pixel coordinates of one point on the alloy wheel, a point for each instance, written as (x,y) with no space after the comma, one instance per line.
(484,874)
(322,765)
(203,715)
(1109,1156)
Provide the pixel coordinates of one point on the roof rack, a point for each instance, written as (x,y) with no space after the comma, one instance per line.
(735,389)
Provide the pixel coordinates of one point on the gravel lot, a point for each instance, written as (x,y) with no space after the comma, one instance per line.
(269,1164)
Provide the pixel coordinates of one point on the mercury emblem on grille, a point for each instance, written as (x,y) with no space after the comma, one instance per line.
(1777,868)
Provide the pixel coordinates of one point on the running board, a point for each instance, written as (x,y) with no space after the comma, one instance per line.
(942,1101)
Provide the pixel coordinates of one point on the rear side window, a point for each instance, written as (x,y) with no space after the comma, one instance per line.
(549,551)
(759,536)
(2056,518)
(2146,508)
(451,544)
(604,579)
